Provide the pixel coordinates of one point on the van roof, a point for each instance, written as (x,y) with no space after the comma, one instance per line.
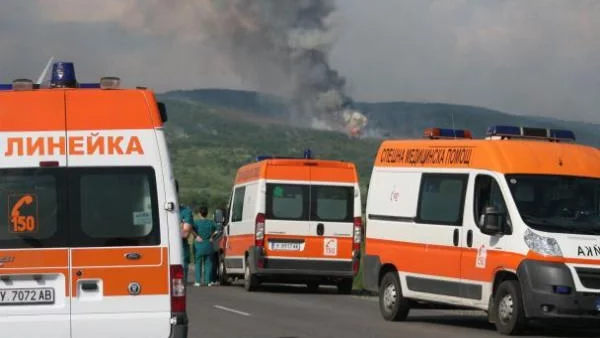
(283,169)
(87,109)
(516,156)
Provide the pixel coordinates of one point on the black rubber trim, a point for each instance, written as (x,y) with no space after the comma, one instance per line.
(391,218)
(445,288)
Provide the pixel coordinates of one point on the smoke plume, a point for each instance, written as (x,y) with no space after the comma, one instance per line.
(280,46)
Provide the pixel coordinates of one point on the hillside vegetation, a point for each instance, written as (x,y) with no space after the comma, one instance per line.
(213,132)
(208,145)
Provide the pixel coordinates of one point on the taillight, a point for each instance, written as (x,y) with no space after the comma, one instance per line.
(177,289)
(357,233)
(259,230)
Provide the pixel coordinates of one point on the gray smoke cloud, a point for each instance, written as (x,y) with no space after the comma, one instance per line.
(280,46)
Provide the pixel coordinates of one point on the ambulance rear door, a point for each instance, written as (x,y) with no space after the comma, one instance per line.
(34,258)
(332,210)
(120,263)
(287,212)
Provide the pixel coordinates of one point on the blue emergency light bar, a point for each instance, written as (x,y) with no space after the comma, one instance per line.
(307,155)
(63,76)
(562,134)
(439,133)
(531,133)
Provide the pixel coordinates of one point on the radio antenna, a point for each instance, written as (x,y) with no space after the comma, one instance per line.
(45,71)
(453,129)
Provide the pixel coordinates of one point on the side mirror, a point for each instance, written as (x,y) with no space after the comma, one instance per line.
(162,109)
(218,216)
(492,221)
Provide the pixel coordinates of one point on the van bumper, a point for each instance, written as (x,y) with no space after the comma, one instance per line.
(179,326)
(541,284)
(298,269)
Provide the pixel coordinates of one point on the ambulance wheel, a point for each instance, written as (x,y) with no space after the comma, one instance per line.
(508,308)
(345,286)
(222,272)
(250,280)
(393,306)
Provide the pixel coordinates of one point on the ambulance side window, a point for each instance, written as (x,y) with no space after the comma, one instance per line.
(441,199)
(487,193)
(237,210)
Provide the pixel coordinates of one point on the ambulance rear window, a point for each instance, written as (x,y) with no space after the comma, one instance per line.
(78,207)
(114,207)
(30,212)
(332,203)
(287,202)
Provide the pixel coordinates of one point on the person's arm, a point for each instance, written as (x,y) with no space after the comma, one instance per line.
(186,229)
(214,232)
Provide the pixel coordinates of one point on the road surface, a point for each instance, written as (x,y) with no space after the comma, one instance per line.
(294,312)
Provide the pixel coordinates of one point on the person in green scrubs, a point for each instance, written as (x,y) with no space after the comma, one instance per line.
(203,248)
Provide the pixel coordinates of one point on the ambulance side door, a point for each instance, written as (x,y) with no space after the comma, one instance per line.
(433,272)
(482,254)
(239,232)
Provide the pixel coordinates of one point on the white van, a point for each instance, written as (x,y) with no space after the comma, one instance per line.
(293,220)
(89,236)
(509,224)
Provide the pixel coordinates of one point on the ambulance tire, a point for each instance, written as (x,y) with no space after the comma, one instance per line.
(393,306)
(250,280)
(222,272)
(508,308)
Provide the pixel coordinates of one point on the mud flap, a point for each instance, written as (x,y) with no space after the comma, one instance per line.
(371,269)
(255,255)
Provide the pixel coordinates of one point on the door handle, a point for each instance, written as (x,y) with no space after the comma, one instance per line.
(133,256)
(320,229)
(470,238)
(455,237)
(89,286)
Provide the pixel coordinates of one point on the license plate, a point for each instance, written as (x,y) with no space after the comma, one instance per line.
(32,296)
(286,246)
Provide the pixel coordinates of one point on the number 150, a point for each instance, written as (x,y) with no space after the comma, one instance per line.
(23,223)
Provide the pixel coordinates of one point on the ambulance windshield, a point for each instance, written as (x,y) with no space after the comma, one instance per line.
(557,203)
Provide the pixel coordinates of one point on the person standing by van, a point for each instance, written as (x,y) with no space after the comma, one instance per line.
(203,248)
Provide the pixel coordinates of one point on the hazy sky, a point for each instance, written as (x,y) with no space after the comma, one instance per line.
(536,57)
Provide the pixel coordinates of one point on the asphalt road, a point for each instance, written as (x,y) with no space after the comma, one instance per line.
(294,312)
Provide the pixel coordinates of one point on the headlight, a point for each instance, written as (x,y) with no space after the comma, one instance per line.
(543,245)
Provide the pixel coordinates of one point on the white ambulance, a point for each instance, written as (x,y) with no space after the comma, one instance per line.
(294,220)
(509,224)
(89,239)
